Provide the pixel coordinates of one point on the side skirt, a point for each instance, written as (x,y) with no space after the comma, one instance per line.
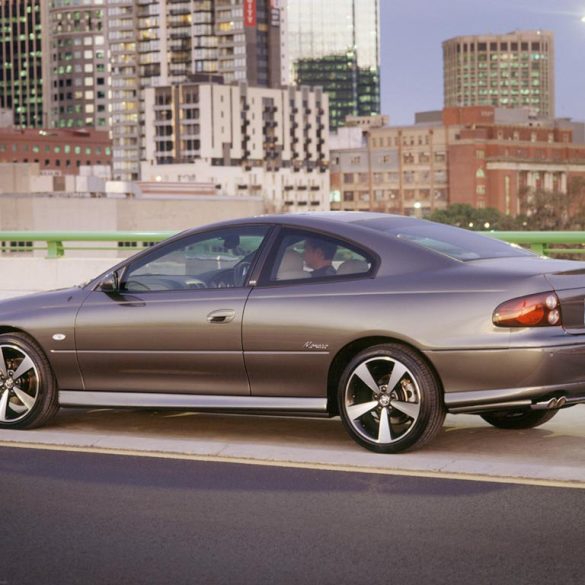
(266,404)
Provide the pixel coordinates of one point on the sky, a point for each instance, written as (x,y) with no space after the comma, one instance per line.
(411,55)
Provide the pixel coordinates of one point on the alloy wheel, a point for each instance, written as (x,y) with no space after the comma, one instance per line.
(382,400)
(19,384)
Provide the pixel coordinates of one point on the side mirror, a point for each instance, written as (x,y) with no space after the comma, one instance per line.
(111,283)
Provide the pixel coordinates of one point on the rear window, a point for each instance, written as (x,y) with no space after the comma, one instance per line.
(454,242)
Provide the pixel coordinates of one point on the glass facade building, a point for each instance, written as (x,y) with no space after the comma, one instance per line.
(335,44)
(23,74)
(79,65)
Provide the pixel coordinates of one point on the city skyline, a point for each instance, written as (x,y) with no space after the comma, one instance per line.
(412,33)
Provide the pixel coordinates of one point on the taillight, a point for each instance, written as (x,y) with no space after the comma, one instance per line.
(541,310)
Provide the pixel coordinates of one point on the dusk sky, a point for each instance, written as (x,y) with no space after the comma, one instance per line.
(412,32)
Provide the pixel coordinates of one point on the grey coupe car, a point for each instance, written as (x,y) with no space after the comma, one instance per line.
(387,321)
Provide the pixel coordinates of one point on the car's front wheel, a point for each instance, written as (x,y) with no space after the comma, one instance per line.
(28,392)
(518,419)
(390,400)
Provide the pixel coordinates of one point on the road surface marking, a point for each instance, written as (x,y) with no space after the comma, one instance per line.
(300,465)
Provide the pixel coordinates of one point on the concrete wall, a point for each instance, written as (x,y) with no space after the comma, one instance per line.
(26,275)
(72,213)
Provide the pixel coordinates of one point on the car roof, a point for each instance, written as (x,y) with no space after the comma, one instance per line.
(321,219)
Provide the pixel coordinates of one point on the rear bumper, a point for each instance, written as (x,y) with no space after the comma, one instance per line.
(486,380)
(537,398)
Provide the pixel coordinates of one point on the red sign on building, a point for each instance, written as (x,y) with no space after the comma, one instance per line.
(250,13)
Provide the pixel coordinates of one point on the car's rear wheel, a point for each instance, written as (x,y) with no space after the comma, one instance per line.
(518,419)
(390,400)
(28,392)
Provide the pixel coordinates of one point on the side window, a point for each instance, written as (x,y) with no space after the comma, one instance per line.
(219,259)
(303,255)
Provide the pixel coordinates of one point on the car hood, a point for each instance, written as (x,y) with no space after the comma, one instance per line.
(12,308)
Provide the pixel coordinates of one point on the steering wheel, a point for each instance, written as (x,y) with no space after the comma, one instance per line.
(195,283)
(224,279)
(240,272)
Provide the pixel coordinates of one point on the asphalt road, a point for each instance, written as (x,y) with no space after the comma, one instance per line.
(83,519)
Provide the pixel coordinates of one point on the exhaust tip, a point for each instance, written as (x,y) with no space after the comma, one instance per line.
(551,404)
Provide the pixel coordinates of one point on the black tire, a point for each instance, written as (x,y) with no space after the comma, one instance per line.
(400,397)
(28,390)
(518,419)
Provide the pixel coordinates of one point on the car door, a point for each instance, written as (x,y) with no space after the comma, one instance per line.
(173,324)
(295,318)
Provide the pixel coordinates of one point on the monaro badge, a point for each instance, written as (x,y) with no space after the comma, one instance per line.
(318,346)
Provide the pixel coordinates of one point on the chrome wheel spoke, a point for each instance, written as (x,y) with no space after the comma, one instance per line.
(384,431)
(411,409)
(4,406)
(2,362)
(25,365)
(363,373)
(397,372)
(27,400)
(356,410)
(18,408)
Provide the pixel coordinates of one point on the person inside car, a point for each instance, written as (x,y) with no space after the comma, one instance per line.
(318,255)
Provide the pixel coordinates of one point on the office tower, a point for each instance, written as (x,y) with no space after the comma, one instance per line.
(23,74)
(510,70)
(78,64)
(335,44)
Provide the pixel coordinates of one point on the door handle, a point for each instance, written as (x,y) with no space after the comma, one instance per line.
(221,316)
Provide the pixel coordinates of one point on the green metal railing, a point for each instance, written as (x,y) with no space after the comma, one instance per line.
(545,243)
(55,244)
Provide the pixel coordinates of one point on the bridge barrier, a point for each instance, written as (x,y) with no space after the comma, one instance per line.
(35,261)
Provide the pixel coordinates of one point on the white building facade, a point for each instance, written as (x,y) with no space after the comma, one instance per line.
(243,140)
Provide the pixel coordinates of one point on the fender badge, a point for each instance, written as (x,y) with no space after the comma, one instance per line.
(59,337)
(312,345)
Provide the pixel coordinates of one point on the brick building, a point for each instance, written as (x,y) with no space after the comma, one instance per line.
(481,156)
(58,152)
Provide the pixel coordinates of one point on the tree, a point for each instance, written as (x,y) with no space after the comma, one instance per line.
(552,210)
(466,216)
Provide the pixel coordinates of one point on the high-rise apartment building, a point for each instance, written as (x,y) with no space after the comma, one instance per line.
(79,64)
(23,72)
(242,140)
(335,44)
(511,70)
(159,42)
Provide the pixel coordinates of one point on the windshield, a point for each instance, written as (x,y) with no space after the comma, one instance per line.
(454,242)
